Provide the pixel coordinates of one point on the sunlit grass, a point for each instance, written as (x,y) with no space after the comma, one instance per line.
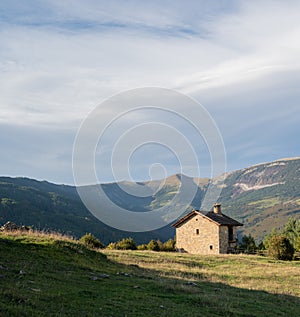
(266,203)
(37,235)
(245,271)
(45,274)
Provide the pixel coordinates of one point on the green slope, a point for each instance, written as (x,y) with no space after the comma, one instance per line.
(49,207)
(51,276)
(261,197)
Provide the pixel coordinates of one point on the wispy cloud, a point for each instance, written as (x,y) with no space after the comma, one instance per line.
(58,59)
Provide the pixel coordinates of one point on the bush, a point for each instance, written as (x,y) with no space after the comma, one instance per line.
(169,245)
(91,241)
(153,245)
(124,244)
(268,238)
(142,247)
(280,248)
(112,246)
(298,244)
(157,245)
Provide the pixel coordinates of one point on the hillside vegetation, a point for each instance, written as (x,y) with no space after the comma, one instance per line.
(50,207)
(261,197)
(51,275)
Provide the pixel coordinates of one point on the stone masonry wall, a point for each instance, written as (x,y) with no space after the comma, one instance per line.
(223,239)
(206,242)
(225,246)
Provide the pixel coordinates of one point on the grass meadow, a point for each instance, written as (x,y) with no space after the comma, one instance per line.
(53,275)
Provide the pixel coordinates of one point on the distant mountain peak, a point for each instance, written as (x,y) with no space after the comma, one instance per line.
(261,196)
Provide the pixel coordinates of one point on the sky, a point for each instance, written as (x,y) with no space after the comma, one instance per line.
(240,60)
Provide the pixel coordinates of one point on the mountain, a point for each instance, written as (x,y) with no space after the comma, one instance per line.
(262,196)
(52,207)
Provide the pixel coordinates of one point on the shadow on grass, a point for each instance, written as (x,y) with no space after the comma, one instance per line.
(62,278)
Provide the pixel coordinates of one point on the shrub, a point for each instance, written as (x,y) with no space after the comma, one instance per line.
(112,246)
(298,244)
(160,245)
(127,244)
(157,245)
(153,245)
(124,244)
(169,245)
(142,247)
(91,241)
(268,238)
(280,248)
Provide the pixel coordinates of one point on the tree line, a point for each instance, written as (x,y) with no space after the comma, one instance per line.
(278,244)
(128,244)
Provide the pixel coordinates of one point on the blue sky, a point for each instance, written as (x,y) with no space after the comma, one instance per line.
(59,59)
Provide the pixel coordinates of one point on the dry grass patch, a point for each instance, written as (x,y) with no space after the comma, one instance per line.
(243,271)
(44,277)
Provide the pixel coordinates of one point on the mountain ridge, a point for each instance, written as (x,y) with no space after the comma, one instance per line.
(261,196)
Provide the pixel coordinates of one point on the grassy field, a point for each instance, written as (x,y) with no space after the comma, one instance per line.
(42,275)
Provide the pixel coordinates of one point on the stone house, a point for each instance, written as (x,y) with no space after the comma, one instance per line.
(210,233)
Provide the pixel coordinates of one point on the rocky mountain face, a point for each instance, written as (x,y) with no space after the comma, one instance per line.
(261,197)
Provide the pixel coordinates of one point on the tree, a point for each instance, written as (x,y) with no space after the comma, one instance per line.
(268,237)
(261,246)
(292,231)
(280,248)
(248,244)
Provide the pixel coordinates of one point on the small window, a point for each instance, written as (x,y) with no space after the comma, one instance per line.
(197,231)
(196,219)
(211,247)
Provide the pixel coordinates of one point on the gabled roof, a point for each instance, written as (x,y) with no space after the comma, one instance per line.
(219,219)
(186,218)
(222,219)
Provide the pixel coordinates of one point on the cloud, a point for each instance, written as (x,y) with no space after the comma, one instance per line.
(59,59)
(172,18)
(262,38)
(74,67)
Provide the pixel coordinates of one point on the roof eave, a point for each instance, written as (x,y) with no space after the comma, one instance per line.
(195,212)
(185,218)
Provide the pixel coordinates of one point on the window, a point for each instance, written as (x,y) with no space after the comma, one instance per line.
(230,234)
(197,231)
(211,247)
